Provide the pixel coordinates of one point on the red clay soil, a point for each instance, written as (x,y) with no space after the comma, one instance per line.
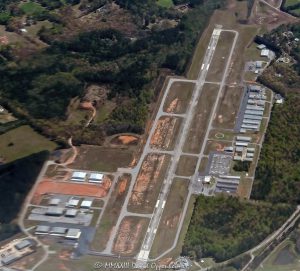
(50,187)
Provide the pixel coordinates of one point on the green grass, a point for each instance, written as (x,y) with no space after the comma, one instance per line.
(165,3)
(291,2)
(22,142)
(31,8)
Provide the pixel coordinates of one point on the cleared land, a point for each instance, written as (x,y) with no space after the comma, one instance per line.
(130,235)
(170,218)
(148,183)
(186,165)
(178,97)
(201,118)
(228,107)
(166,133)
(89,190)
(111,213)
(217,66)
(102,159)
(21,142)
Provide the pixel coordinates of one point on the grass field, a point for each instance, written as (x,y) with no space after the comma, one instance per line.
(102,159)
(178,97)
(165,3)
(31,8)
(228,107)
(167,228)
(201,118)
(217,66)
(220,134)
(22,142)
(203,164)
(111,213)
(186,165)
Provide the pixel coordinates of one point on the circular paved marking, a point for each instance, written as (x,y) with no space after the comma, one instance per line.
(219,135)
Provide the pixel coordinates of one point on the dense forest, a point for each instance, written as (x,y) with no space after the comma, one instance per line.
(223,227)
(41,86)
(16,179)
(278,173)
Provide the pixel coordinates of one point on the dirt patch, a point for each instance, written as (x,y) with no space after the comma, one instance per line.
(125,140)
(50,187)
(148,183)
(130,235)
(165,133)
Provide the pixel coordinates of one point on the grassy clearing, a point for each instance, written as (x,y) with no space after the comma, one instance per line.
(102,159)
(182,92)
(111,213)
(217,66)
(172,213)
(165,3)
(201,118)
(228,107)
(31,8)
(22,142)
(186,165)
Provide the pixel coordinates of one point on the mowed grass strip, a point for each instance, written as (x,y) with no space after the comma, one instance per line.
(228,107)
(102,158)
(178,97)
(171,216)
(23,141)
(186,165)
(221,54)
(148,184)
(111,213)
(201,119)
